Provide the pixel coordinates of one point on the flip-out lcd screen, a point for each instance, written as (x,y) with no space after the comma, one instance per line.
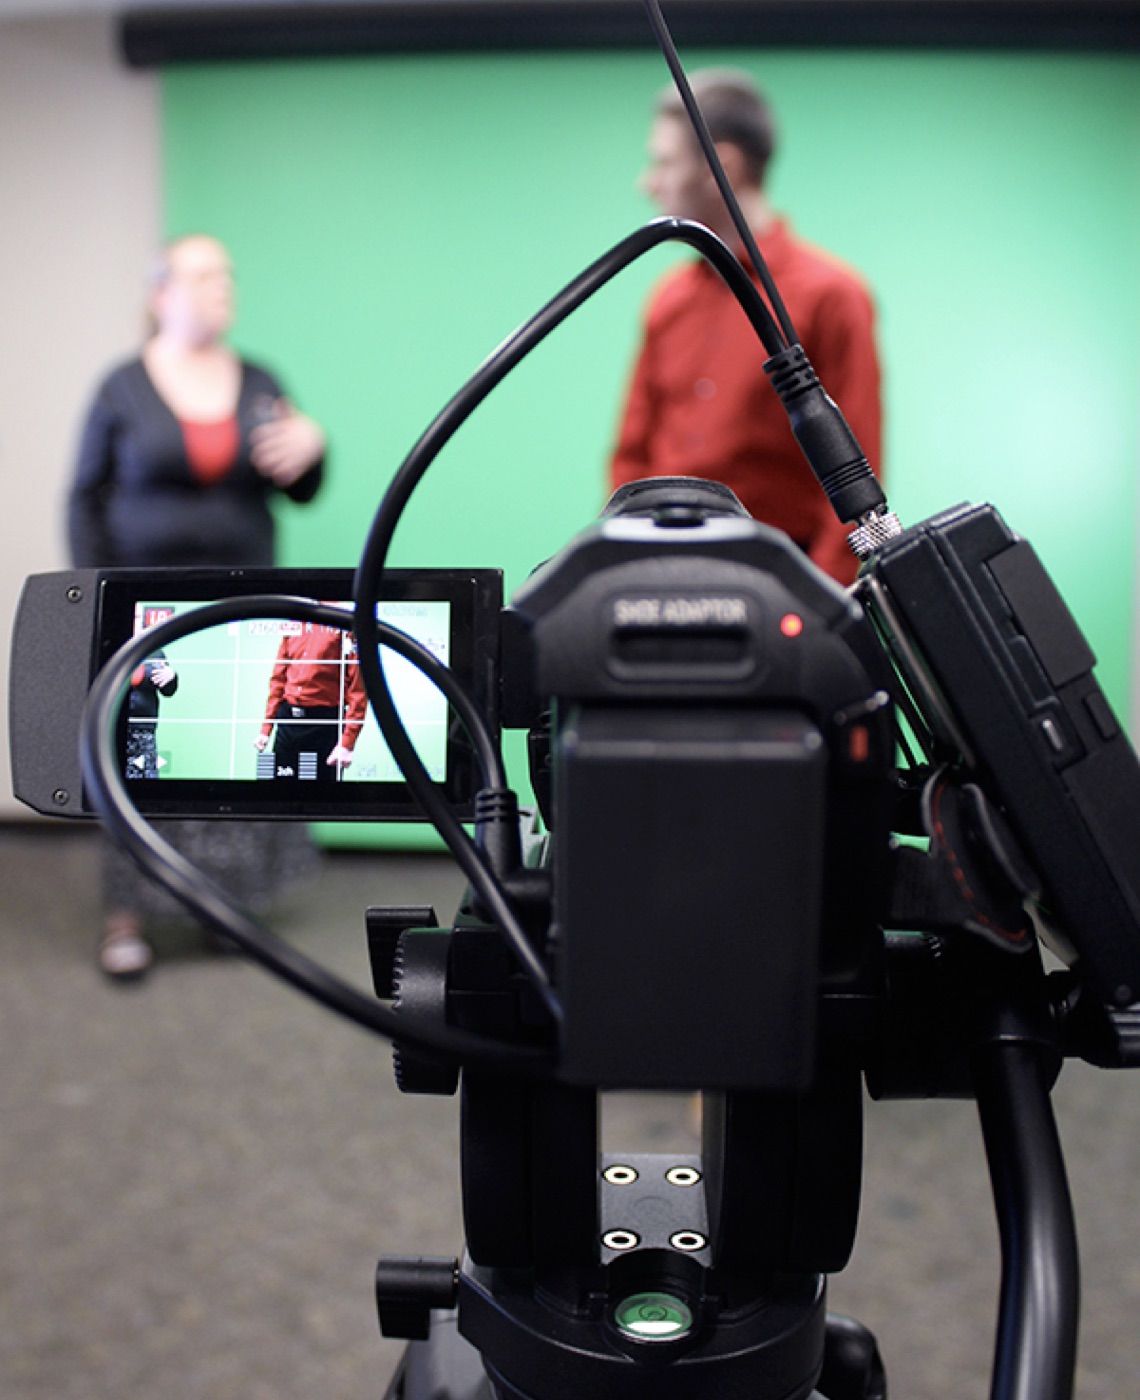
(269,716)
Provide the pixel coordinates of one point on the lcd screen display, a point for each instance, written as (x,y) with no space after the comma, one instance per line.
(269,716)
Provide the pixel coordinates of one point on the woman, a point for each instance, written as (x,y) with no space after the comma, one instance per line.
(181,453)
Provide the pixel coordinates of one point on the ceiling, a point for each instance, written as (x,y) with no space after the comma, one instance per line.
(42,9)
(36,9)
(160,31)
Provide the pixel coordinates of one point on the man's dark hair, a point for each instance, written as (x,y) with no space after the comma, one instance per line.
(735,111)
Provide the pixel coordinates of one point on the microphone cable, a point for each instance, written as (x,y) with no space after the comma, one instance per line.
(109,795)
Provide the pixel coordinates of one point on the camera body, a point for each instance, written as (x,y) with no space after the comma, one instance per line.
(720,746)
(712,749)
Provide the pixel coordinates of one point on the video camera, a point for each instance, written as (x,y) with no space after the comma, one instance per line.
(789,840)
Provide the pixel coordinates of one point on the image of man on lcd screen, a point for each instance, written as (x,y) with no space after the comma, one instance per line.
(316,704)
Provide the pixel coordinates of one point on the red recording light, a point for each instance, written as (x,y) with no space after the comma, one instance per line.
(791,624)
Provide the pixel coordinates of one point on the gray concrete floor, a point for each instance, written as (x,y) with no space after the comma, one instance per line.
(197,1174)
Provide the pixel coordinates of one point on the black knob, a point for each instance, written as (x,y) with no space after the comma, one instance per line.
(384,925)
(419,979)
(408,1288)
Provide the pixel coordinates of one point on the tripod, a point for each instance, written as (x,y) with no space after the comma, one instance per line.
(689,1277)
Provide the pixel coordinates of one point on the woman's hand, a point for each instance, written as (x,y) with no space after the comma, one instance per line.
(288,445)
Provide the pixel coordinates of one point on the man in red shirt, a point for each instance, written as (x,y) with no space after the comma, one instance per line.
(699,403)
(316,701)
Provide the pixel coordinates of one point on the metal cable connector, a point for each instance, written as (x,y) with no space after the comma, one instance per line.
(873,531)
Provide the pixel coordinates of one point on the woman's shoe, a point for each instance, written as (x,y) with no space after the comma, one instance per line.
(124,954)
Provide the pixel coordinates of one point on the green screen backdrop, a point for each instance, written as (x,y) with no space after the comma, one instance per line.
(393,219)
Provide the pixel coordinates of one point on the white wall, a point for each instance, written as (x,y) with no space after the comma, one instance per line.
(79,214)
